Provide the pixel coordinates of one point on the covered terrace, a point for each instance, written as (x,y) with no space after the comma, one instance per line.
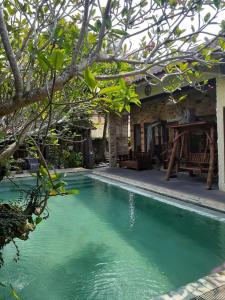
(207,106)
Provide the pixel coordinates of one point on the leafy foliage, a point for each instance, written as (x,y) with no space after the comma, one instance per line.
(19,219)
(72,159)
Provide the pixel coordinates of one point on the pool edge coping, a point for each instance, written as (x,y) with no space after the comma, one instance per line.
(195,289)
(28,174)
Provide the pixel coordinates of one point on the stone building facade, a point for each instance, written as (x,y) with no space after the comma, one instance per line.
(209,105)
(160,108)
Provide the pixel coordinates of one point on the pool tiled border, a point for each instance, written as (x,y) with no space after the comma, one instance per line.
(196,289)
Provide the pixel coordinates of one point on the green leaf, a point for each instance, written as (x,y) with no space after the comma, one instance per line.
(92,27)
(195,63)
(183,66)
(57,58)
(73,192)
(98,25)
(110,89)
(89,78)
(124,12)
(136,101)
(127,107)
(14,294)
(207,17)
(182,98)
(222,43)
(173,2)
(53,177)
(119,31)
(38,220)
(44,62)
(123,84)
(217,3)
(222,24)
(60,175)
(91,38)
(143,3)
(52,193)
(59,184)
(43,171)
(11,10)
(178,31)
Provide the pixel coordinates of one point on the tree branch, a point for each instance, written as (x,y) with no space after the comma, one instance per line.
(106,16)
(10,150)
(11,57)
(79,44)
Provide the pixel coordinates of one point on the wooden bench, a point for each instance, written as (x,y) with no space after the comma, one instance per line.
(196,163)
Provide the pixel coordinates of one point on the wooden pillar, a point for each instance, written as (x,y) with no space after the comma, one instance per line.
(112,140)
(172,156)
(211,159)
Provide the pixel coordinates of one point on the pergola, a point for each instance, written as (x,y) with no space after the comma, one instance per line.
(201,162)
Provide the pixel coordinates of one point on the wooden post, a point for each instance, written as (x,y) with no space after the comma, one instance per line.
(172,156)
(211,158)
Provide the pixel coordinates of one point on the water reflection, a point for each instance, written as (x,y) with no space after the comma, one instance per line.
(131,210)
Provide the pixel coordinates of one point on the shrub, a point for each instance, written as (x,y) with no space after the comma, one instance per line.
(72,159)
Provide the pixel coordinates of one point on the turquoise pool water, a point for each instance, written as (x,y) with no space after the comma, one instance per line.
(110,243)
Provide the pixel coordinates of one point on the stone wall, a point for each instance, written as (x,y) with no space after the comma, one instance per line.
(118,137)
(160,108)
(122,134)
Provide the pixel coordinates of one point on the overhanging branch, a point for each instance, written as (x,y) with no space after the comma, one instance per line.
(11,57)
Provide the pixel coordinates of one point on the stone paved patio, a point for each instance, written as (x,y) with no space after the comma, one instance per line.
(184,188)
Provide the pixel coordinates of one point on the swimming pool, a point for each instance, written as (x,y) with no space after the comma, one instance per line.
(111,243)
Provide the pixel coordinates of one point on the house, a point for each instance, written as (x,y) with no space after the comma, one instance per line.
(156,121)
